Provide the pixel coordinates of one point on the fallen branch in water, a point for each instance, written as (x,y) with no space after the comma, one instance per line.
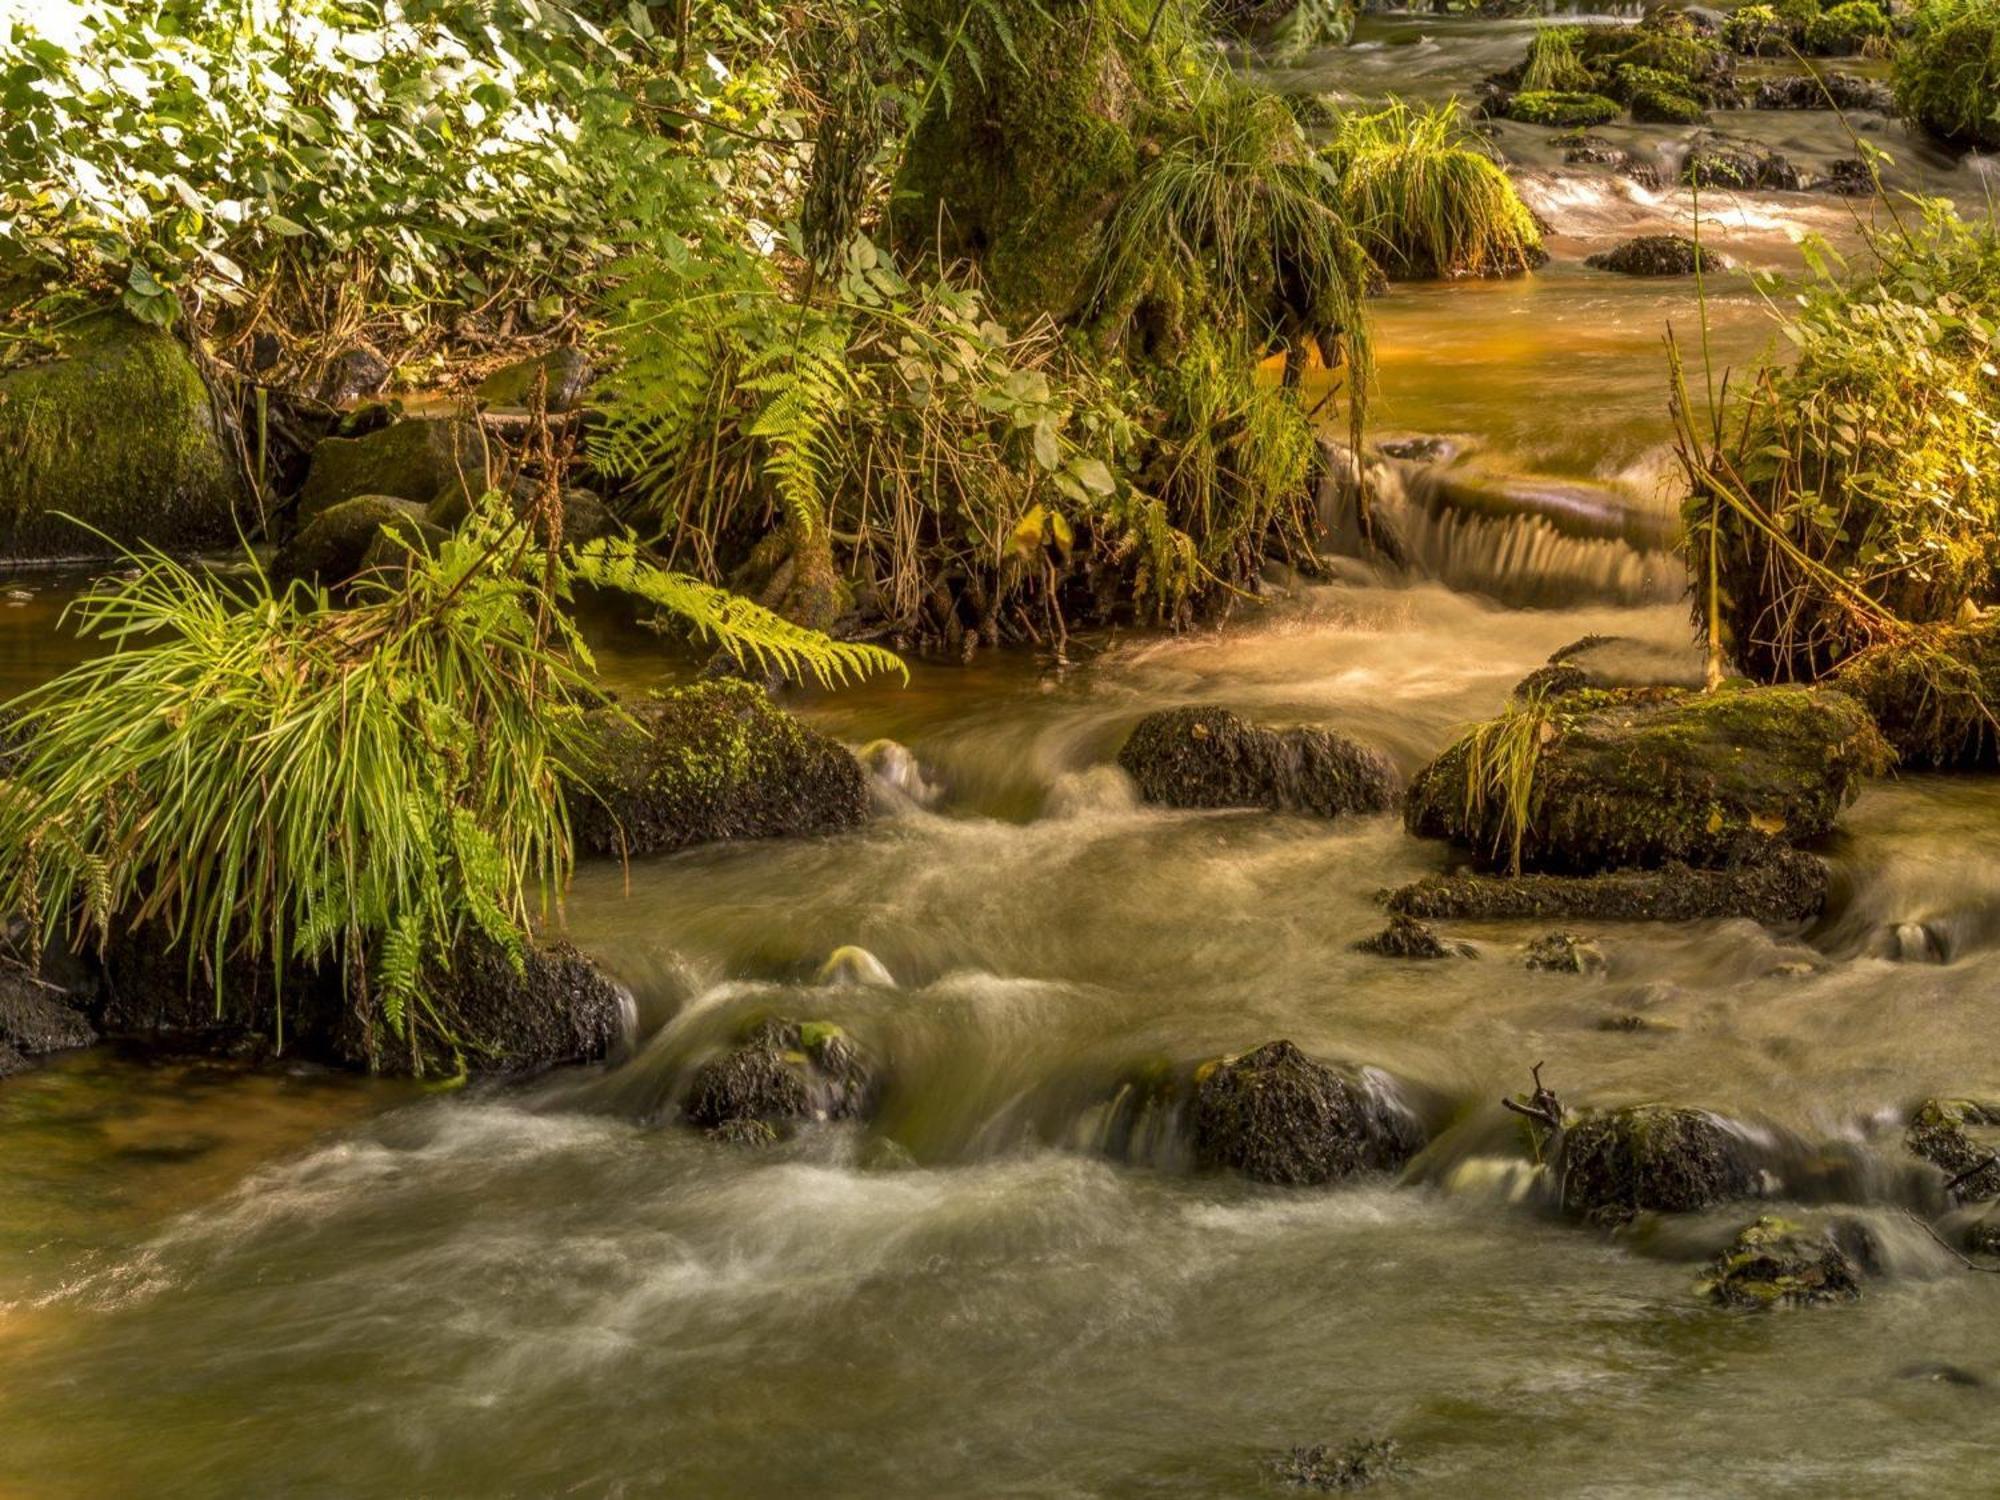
(1542,1106)
(1991,1159)
(1950,1249)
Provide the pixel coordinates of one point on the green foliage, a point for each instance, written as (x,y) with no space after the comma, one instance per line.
(1500,757)
(1308,24)
(1662,98)
(1845,29)
(1947,71)
(1425,200)
(1756,31)
(1562,110)
(1851,490)
(1553,66)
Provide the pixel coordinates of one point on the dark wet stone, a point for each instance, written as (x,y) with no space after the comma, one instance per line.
(1650,776)
(1741,168)
(1616,661)
(716,760)
(1405,937)
(353,374)
(1947,1134)
(1565,953)
(1829,90)
(1778,887)
(12,1061)
(1849,177)
(1657,255)
(34,1019)
(334,545)
(1776,1263)
(1275,1115)
(744,1133)
(1208,757)
(1353,1466)
(557,1009)
(783,1073)
(1937,1372)
(1651,1158)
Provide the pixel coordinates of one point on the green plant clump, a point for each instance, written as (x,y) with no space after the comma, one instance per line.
(1563,111)
(1845,29)
(1553,66)
(1947,72)
(1756,31)
(1850,494)
(1426,200)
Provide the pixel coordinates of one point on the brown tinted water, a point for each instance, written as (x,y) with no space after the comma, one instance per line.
(225,1283)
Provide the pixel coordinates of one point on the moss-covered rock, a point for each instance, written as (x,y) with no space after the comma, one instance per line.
(1656,102)
(1740,168)
(119,433)
(1565,953)
(1406,937)
(334,545)
(1777,1263)
(1932,695)
(1957,1136)
(1355,1465)
(1780,887)
(556,1009)
(1275,1115)
(1843,30)
(781,1074)
(1560,111)
(1655,255)
(1828,90)
(1652,1158)
(1208,757)
(717,760)
(1948,72)
(1646,776)
(418,459)
(566,372)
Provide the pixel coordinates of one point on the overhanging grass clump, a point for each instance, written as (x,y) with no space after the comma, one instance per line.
(1425,200)
(1838,500)
(1947,72)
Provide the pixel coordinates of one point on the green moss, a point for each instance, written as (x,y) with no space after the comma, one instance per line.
(1561,110)
(1845,29)
(120,434)
(1777,1263)
(1660,98)
(1948,72)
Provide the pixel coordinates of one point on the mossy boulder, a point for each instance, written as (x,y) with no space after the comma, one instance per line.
(1740,168)
(1560,111)
(335,544)
(566,372)
(1209,757)
(1932,694)
(1958,1137)
(1275,1115)
(1828,90)
(35,1019)
(1406,937)
(1663,104)
(1565,953)
(1652,1158)
(1843,30)
(417,459)
(1649,776)
(716,760)
(1779,887)
(1777,1263)
(781,1074)
(556,1009)
(119,433)
(1947,72)
(1655,255)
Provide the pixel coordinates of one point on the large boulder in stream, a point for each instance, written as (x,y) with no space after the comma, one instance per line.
(716,760)
(1657,255)
(1652,1158)
(1738,167)
(36,1018)
(1275,1115)
(1930,693)
(781,1074)
(118,436)
(1208,757)
(1777,887)
(1606,780)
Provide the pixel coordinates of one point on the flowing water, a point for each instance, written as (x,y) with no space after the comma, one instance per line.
(216,1282)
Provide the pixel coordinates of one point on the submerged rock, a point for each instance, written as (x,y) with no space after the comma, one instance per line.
(1353,1466)
(1405,937)
(782,1073)
(1275,1115)
(1778,887)
(1651,1158)
(1776,1263)
(1657,255)
(34,1019)
(717,760)
(1208,757)
(1565,953)
(1946,1133)
(417,459)
(1647,777)
(335,544)
(118,433)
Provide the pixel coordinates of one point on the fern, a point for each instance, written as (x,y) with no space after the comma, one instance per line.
(810,389)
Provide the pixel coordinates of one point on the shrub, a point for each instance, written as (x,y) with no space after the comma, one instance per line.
(1425,200)
(1845,29)
(1756,31)
(1947,73)
(1562,110)
(1847,495)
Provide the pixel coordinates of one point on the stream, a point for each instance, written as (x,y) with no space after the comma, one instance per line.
(221,1282)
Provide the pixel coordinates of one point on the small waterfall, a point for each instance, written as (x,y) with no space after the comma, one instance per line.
(1523,541)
